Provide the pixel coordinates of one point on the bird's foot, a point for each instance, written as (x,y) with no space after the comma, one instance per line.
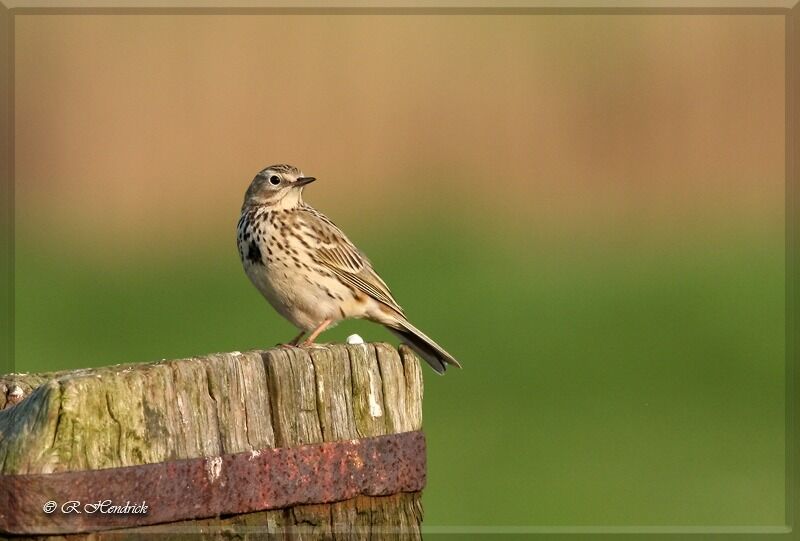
(314,345)
(294,343)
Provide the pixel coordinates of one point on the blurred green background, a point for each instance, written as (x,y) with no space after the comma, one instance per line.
(587,211)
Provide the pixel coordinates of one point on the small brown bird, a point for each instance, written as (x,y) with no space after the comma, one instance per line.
(308,269)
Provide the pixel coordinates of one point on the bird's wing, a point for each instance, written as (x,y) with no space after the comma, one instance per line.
(335,252)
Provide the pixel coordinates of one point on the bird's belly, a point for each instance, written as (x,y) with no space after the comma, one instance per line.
(303,300)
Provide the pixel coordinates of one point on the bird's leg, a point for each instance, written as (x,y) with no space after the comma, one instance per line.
(294,342)
(296,339)
(316,332)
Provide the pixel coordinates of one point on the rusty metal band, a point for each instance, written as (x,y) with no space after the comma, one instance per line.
(212,486)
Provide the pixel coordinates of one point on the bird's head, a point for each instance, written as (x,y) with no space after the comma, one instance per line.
(278,186)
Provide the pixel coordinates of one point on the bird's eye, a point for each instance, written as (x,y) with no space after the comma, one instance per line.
(274,180)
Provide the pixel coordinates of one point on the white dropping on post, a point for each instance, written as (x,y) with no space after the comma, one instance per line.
(354,339)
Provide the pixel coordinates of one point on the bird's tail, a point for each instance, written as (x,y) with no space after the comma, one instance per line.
(426,348)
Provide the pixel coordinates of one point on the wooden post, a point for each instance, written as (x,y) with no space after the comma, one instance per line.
(130,415)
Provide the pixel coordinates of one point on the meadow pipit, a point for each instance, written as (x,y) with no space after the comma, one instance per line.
(308,269)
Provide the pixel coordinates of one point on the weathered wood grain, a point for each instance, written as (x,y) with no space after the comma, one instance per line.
(224,403)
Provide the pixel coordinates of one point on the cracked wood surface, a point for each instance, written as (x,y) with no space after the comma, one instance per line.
(135,414)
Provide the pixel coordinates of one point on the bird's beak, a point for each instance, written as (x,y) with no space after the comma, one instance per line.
(302,181)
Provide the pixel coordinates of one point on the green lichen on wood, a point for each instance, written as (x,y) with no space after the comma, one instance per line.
(28,430)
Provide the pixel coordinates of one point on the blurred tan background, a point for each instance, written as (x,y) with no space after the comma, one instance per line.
(155,124)
(587,211)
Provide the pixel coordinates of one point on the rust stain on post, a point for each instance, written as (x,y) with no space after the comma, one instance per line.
(213,486)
